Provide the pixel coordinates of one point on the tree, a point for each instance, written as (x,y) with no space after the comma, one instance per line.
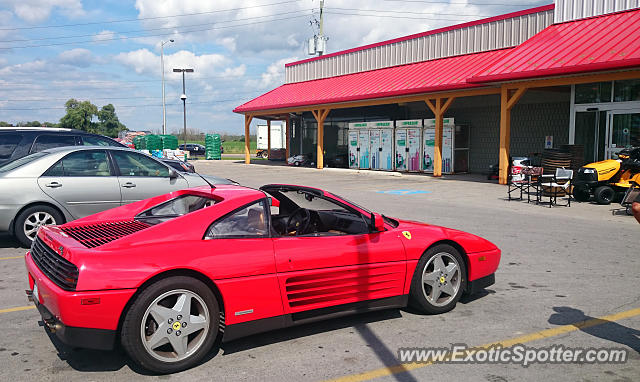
(5,124)
(29,124)
(79,115)
(108,122)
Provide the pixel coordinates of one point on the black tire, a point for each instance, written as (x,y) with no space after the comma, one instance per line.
(297,164)
(604,195)
(130,336)
(417,298)
(264,155)
(581,194)
(19,223)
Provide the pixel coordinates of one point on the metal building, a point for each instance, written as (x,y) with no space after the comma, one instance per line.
(563,73)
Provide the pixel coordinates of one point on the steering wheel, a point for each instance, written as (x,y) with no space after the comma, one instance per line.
(299,225)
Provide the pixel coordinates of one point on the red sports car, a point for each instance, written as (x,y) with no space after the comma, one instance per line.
(168,275)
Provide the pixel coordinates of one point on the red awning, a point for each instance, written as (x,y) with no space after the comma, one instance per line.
(607,42)
(429,76)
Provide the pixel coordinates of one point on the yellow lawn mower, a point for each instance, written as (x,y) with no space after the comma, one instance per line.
(608,179)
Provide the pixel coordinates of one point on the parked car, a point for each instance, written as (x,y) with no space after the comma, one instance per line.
(196,149)
(63,184)
(179,165)
(18,142)
(155,275)
(299,160)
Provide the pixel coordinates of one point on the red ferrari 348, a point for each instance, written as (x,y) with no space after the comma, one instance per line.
(168,276)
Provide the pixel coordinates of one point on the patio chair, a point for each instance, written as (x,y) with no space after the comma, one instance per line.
(554,185)
(524,182)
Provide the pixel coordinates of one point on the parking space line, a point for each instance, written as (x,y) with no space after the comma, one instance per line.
(11,257)
(17,309)
(547,333)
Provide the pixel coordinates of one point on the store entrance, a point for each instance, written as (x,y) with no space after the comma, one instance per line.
(623,131)
(591,133)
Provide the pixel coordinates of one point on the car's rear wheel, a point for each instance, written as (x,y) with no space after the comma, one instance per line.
(438,280)
(171,325)
(31,219)
(264,155)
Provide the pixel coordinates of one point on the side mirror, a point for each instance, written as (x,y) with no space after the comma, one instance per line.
(377,222)
(173,174)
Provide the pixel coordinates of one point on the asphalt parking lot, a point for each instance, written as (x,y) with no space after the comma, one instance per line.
(568,276)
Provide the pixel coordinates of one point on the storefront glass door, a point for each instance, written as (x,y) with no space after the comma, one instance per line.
(623,131)
(591,132)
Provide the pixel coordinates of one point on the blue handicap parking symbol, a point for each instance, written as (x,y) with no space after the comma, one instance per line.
(403,192)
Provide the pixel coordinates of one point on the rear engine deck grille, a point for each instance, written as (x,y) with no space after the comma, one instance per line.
(58,269)
(94,235)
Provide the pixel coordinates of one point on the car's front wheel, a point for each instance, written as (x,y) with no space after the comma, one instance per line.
(438,280)
(31,219)
(171,325)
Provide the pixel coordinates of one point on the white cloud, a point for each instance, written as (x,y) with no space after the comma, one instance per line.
(34,11)
(105,37)
(79,57)
(273,76)
(143,61)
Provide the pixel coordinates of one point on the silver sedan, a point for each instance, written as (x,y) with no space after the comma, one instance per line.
(59,185)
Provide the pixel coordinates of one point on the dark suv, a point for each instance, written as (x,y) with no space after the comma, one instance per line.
(17,142)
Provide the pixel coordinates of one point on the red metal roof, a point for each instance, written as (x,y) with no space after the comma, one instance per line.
(600,43)
(423,77)
(431,32)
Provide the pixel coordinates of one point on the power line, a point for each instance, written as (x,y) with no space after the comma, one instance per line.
(128,106)
(152,35)
(466,3)
(393,17)
(406,12)
(115,98)
(147,30)
(125,82)
(149,18)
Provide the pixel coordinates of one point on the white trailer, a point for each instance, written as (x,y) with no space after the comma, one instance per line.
(278,139)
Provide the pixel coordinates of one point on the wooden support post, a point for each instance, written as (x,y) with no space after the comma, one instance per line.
(437,149)
(507,102)
(268,138)
(320,115)
(247,147)
(438,109)
(287,134)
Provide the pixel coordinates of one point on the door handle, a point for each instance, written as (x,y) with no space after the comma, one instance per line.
(128,185)
(53,185)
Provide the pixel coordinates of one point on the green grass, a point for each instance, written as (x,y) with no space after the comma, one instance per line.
(232,147)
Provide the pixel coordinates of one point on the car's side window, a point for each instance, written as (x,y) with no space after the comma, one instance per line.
(248,222)
(49,141)
(132,164)
(89,140)
(81,163)
(8,144)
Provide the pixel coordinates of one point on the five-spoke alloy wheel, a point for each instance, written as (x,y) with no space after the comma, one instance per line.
(438,280)
(31,219)
(172,324)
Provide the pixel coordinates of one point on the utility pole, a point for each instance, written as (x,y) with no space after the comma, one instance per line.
(318,43)
(164,109)
(183,97)
(321,34)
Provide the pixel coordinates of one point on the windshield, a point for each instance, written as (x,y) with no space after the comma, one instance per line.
(22,161)
(350,202)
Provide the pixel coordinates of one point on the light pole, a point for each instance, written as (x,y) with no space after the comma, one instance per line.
(164,110)
(183,97)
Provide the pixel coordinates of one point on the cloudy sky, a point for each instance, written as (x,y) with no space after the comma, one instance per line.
(108,51)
